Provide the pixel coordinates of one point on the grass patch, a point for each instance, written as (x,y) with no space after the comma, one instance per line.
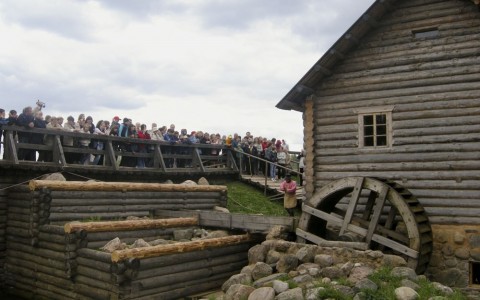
(246,199)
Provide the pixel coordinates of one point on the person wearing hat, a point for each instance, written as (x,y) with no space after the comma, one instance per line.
(289,186)
(116,121)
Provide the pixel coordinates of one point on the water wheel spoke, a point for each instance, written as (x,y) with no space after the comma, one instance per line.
(370,202)
(352,205)
(377,212)
(387,232)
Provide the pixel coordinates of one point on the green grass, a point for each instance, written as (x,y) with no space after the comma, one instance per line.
(246,199)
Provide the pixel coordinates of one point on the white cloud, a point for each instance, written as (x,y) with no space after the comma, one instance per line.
(213,65)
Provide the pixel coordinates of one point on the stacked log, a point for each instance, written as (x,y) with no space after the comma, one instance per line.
(71,201)
(184,273)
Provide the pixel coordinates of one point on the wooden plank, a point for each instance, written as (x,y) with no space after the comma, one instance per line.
(257,223)
(370,202)
(158,159)
(352,205)
(377,212)
(361,231)
(12,149)
(110,159)
(58,152)
(325,243)
(198,160)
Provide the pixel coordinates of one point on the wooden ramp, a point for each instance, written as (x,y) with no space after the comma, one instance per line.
(272,187)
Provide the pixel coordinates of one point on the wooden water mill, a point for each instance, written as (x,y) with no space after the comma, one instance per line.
(368,213)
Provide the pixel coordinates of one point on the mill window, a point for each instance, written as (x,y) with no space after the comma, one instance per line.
(375,127)
(425,33)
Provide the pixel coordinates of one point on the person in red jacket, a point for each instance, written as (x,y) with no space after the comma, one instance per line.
(289,186)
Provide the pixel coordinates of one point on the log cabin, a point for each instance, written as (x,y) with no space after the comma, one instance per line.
(396,101)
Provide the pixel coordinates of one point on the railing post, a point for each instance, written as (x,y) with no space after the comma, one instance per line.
(240,167)
(266,178)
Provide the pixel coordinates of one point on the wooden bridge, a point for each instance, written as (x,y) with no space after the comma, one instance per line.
(118,159)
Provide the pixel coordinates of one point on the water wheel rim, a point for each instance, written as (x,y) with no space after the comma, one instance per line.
(328,197)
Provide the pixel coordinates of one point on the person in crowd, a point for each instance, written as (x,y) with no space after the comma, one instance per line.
(271,156)
(285,145)
(25,120)
(250,159)
(124,127)
(50,138)
(81,120)
(116,121)
(60,121)
(48,118)
(100,129)
(69,141)
(142,148)
(301,165)
(89,120)
(38,138)
(11,120)
(289,187)
(282,161)
(258,167)
(84,143)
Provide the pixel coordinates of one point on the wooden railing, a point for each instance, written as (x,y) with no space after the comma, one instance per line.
(158,156)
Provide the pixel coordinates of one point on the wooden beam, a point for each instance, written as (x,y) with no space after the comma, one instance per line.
(12,149)
(158,160)
(369,20)
(58,155)
(325,243)
(121,186)
(197,245)
(129,225)
(352,205)
(198,159)
(110,159)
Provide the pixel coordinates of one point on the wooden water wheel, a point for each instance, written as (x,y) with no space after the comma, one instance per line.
(369,213)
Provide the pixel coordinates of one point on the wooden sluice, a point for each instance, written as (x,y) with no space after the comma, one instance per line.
(49,255)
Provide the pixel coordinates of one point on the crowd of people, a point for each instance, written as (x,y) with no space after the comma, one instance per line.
(270,149)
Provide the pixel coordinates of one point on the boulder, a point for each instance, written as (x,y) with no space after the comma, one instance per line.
(365,284)
(295,293)
(238,292)
(221,209)
(203,181)
(410,284)
(359,273)
(302,279)
(405,293)
(332,272)
(189,182)
(160,242)
(306,254)
(266,280)
(257,254)
(287,263)
(345,290)
(53,177)
(404,272)
(312,294)
(260,270)
(242,279)
(277,232)
(183,234)
(112,245)
(444,289)
(279,286)
(273,257)
(263,293)
(140,243)
(393,261)
(216,234)
(323,260)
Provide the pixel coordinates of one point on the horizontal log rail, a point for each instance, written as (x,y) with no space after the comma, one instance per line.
(159,156)
(155,251)
(121,186)
(129,225)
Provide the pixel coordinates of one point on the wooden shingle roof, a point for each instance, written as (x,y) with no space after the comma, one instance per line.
(294,99)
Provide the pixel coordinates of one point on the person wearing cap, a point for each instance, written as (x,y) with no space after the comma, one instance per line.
(116,121)
(289,186)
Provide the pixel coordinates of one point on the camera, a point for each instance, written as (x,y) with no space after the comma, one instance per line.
(40,104)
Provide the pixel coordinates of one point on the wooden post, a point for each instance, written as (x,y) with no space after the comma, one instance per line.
(179,247)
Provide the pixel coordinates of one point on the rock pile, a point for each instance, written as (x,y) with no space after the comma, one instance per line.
(179,235)
(285,270)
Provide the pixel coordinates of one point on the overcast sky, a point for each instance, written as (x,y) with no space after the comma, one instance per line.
(212,65)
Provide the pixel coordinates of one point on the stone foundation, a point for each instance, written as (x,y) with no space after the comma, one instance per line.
(454,247)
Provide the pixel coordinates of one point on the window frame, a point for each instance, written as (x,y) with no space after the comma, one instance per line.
(373,111)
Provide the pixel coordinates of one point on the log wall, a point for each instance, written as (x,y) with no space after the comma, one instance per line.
(434,86)
(46,260)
